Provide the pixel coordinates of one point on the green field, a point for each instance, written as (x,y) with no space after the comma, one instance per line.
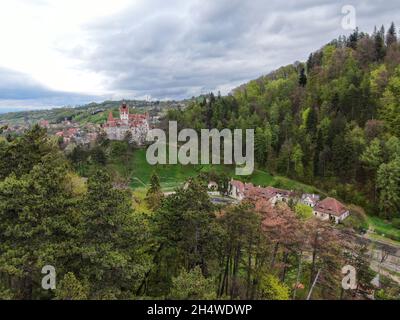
(383,228)
(172,176)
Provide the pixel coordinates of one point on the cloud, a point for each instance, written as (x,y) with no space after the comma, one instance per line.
(20,90)
(183,48)
(163,49)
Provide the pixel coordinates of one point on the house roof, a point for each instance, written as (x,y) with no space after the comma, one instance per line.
(276,191)
(238,185)
(254,193)
(331,206)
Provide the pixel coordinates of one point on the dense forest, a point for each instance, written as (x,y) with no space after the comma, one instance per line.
(182,247)
(333,121)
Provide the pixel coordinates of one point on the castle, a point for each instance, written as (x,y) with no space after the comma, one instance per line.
(136,124)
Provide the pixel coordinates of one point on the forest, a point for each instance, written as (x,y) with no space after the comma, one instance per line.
(182,246)
(331,122)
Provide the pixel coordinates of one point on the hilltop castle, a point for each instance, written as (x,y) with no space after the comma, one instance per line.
(136,124)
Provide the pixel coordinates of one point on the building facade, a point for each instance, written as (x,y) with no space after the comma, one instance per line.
(310,200)
(239,191)
(137,125)
(331,209)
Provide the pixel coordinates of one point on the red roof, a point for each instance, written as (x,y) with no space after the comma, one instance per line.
(254,193)
(134,120)
(331,206)
(238,185)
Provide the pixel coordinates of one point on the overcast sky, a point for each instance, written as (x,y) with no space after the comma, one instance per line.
(58,52)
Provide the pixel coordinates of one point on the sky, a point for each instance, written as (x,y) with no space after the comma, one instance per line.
(71,52)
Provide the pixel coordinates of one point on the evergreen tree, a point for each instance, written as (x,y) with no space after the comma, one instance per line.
(112,241)
(38,216)
(192,285)
(187,235)
(388,180)
(154,195)
(353,39)
(302,78)
(379,38)
(391,36)
(70,288)
(312,121)
(99,156)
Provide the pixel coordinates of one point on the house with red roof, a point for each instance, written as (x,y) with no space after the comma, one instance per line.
(239,191)
(331,209)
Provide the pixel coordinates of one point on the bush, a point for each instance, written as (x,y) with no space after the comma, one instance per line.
(357,220)
(396,223)
(192,285)
(303,211)
(272,289)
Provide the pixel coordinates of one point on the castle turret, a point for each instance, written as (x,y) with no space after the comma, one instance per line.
(124,112)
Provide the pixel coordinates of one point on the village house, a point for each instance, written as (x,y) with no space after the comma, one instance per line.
(239,191)
(310,199)
(331,209)
(212,189)
(44,124)
(135,124)
(328,209)
(68,134)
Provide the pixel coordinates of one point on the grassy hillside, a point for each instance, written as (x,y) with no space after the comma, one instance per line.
(332,121)
(172,176)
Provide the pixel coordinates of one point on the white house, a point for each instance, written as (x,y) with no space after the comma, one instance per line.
(310,199)
(331,209)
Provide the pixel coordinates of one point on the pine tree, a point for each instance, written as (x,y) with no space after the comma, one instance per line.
(391,36)
(112,241)
(388,180)
(353,39)
(154,195)
(303,78)
(379,38)
(312,121)
(37,216)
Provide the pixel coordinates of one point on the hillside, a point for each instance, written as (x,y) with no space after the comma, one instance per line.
(332,121)
(90,113)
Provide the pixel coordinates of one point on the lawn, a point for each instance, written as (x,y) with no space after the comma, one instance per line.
(383,228)
(172,176)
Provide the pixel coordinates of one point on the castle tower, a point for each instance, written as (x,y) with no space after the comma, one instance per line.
(124,113)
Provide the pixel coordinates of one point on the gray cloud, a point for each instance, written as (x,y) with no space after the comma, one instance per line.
(182,48)
(20,90)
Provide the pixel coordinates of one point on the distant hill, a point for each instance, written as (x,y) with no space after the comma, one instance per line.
(92,112)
